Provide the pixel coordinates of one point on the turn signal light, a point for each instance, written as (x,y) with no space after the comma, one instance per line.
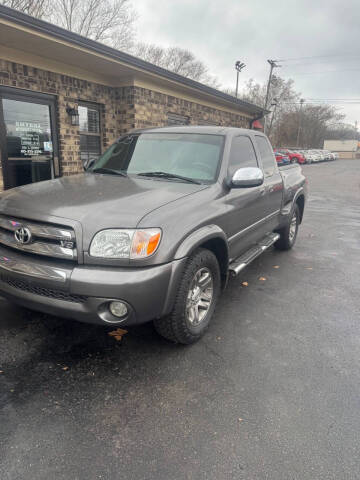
(145,242)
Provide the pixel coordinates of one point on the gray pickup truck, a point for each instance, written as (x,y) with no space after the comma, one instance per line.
(151,230)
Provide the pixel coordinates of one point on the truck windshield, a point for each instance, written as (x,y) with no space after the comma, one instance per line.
(191,156)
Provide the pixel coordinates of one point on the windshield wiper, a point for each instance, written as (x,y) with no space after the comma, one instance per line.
(108,170)
(169,176)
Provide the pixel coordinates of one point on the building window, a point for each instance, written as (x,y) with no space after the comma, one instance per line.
(90,138)
(176,119)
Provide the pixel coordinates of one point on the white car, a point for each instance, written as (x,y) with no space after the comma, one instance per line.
(316,156)
(309,157)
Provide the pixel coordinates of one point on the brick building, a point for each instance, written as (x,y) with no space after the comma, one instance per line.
(64,99)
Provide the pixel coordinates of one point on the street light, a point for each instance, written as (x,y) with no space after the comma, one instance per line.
(238,67)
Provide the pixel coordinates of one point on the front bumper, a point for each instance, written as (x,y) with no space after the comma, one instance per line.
(83,292)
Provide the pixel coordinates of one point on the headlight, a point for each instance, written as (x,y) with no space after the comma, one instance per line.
(116,243)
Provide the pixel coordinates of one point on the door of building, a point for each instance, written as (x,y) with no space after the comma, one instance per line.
(27,137)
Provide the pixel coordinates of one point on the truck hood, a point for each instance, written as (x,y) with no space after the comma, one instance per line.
(96,201)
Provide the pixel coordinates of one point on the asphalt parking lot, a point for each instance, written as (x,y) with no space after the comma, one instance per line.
(272,391)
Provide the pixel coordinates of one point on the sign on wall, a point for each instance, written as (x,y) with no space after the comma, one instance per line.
(29,134)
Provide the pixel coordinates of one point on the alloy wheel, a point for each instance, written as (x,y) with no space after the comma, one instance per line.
(200,296)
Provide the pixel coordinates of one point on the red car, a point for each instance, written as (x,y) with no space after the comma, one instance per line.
(293,155)
(281,158)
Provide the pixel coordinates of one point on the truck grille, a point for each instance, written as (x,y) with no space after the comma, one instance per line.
(38,238)
(42,291)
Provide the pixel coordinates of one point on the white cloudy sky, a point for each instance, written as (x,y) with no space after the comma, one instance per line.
(221,32)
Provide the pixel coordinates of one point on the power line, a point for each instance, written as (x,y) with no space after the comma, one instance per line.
(332,102)
(331,98)
(317,56)
(327,71)
(301,64)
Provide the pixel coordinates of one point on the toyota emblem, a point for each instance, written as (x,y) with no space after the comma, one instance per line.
(23,235)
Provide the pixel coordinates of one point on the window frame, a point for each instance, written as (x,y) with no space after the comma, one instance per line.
(253,146)
(276,168)
(221,151)
(28,96)
(98,108)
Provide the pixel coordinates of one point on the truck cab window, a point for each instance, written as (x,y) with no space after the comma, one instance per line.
(267,156)
(242,154)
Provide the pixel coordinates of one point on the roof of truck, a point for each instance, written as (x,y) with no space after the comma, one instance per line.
(212,130)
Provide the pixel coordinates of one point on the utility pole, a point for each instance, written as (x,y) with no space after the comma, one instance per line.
(356,124)
(274,104)
(273,64)
(299,126)
(238,67)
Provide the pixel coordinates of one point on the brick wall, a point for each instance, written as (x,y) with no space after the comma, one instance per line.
(152,109)
(122,108)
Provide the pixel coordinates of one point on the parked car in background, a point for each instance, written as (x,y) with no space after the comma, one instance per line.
(323,155)
(281,158)
(309,157)
(316,156)
(330,155)
(293,155)
(300,158)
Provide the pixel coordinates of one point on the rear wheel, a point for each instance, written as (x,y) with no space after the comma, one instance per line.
(195,301)
(289,233)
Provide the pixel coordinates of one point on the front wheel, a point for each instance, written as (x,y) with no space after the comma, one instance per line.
(195,301)
(289,233)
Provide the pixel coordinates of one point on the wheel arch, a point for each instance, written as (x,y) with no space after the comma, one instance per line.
(213,238)
(300,202)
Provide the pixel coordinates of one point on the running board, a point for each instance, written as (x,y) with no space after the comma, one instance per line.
(240,263)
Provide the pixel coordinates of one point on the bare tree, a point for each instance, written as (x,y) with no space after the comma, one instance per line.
(36,8)
(342,131)
(282,92)
(177,60)
(107,21)
(315,121)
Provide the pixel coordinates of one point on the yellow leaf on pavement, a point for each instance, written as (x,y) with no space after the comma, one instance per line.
(262,279)
(276,266)
(118,334)
(245,284)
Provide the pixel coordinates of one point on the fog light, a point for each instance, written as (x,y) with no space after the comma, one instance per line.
(118,309)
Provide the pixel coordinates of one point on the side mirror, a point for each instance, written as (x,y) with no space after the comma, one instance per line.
(247,177)
(88,164)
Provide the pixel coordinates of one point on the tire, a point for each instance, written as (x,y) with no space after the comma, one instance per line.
(289,233)
(181,325)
